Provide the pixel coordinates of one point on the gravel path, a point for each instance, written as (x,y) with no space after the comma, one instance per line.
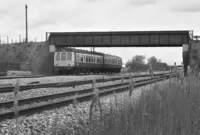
(69,119)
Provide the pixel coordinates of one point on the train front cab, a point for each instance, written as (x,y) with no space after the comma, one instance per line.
(63,62)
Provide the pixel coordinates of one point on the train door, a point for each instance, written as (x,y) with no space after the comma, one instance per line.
(70,59)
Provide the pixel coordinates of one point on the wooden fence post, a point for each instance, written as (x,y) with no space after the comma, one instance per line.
(122,80)
(15,106)
(131,86)
(151,69)
(96,100)
(75,102)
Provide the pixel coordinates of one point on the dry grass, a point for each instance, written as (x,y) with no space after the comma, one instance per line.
(172,109)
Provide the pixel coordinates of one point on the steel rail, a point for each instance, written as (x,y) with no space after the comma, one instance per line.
(42,76)
(21,77)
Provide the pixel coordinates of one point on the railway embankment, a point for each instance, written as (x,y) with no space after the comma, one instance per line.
(33,53)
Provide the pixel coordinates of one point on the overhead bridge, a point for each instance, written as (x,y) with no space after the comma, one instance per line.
(123,39)
(120,39)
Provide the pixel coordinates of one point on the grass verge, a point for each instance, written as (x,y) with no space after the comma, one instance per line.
(170,109)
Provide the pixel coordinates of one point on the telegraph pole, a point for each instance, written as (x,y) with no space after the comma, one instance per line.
(26,23)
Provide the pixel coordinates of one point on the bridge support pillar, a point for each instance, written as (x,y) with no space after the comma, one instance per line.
(185,55)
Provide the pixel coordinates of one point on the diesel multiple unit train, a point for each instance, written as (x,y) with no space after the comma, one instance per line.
(75,61)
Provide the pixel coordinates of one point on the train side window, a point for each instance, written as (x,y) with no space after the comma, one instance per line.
(77,57)
(86,58)
(81,58)
(95,59)
(69,55)
(63,56)
(57,56)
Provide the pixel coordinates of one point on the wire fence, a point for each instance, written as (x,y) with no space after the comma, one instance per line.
(20,39)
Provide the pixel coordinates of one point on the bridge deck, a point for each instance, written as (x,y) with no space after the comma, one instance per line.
(120,39)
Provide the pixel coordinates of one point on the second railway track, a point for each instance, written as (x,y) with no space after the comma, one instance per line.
(70,84)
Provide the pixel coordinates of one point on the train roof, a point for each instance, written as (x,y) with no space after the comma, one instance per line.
(85,51)
(78,50)
(108,55)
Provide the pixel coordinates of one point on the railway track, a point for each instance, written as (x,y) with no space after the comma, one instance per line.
(60,99)
(41,76)
(69,84)
(21,77)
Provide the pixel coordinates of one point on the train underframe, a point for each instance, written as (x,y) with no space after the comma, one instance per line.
(75,70)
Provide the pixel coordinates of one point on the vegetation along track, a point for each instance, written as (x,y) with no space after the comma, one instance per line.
(69,84)
(68,97)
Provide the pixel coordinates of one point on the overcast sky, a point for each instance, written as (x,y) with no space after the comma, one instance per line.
(102,15)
